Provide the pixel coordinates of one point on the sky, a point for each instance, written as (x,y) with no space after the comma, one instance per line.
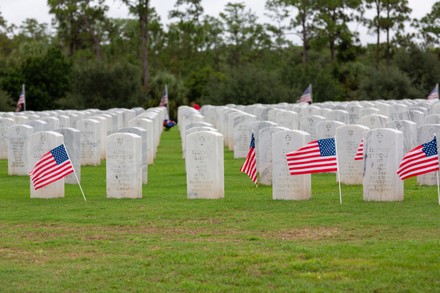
(16,11)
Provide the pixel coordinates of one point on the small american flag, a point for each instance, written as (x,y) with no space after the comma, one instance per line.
(318,156)
(360,152)
(306,97)
(434,93)
(53,165)
(420,160)
(164,99)
(250,164)
(20,103)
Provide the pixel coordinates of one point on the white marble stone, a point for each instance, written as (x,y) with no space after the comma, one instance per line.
(5,123)
(18,141)
(284,185)
(143,134)
(383,151)
(39,144)
(204,165)
(426,133)
(308,124)
(264,166)
(409,130)
(72,143)
(90,151)
(348,139)
(123,165)
(374,121)
(242,134)
(327,129)
(148,125)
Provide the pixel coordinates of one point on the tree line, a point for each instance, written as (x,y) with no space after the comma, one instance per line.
(90,60)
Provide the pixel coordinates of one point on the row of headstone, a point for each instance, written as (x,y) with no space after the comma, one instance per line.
(202,149)
(403,126)
(86,144)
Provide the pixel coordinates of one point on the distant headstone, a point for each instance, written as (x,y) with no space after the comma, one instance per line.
(284,185)
(348,139)
(383,151)
(90,151)
(426,133)
(265,154)
(409,130)
(374,121)
(204,165)
(5,123)
(308,124)
(123,167)
(143,134)
(242,134)
(327,129)
(18,141)
(72,138)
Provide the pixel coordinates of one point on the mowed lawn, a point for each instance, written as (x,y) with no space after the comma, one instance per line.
(246,242)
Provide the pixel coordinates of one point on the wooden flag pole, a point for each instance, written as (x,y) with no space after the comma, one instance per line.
(24,98)
(438,189)
(338,174)
(74,172)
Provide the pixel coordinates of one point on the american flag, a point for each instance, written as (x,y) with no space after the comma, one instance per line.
(360,152)
(318,156)
(164,99)
(250,164)
(420,160)
(53,165)
(20,102)
(434,93)
(306,96)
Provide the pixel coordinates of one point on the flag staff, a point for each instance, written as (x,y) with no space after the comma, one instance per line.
(438,189)
(338,174)
(74,172)
(24,96)
(168,102)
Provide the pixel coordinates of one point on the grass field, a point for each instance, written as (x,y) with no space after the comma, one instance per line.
(245,242)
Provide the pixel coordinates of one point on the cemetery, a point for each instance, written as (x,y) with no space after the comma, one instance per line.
(154,210)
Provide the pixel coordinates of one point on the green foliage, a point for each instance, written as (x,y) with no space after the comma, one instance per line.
(386,83)
(246,84)
(104,86)
(177,92)
(6,104)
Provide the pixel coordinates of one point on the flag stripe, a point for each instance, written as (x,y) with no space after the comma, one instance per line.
(420,160)
(250,164)
(317,156)
(360,152)
(52,166)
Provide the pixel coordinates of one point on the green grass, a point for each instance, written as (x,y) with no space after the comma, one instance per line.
(244,242)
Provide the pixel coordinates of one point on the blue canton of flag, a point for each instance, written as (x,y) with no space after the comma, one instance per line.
(59,154)
(327,147)
(430,148)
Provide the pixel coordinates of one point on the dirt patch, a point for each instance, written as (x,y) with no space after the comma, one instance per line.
(306,233)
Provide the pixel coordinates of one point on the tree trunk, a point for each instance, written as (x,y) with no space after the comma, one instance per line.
(143,21)
(305,41)
(378,34)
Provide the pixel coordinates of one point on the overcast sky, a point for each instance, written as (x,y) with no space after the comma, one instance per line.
(15,11)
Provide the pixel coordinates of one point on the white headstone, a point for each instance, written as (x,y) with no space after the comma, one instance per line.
(284,185)
(383,151)
(426,133)
(18,141)
(123,165)
(90,151)
(5,123)
(39,144)
(72,138)
(348,139)
(142,133)
(204,165)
